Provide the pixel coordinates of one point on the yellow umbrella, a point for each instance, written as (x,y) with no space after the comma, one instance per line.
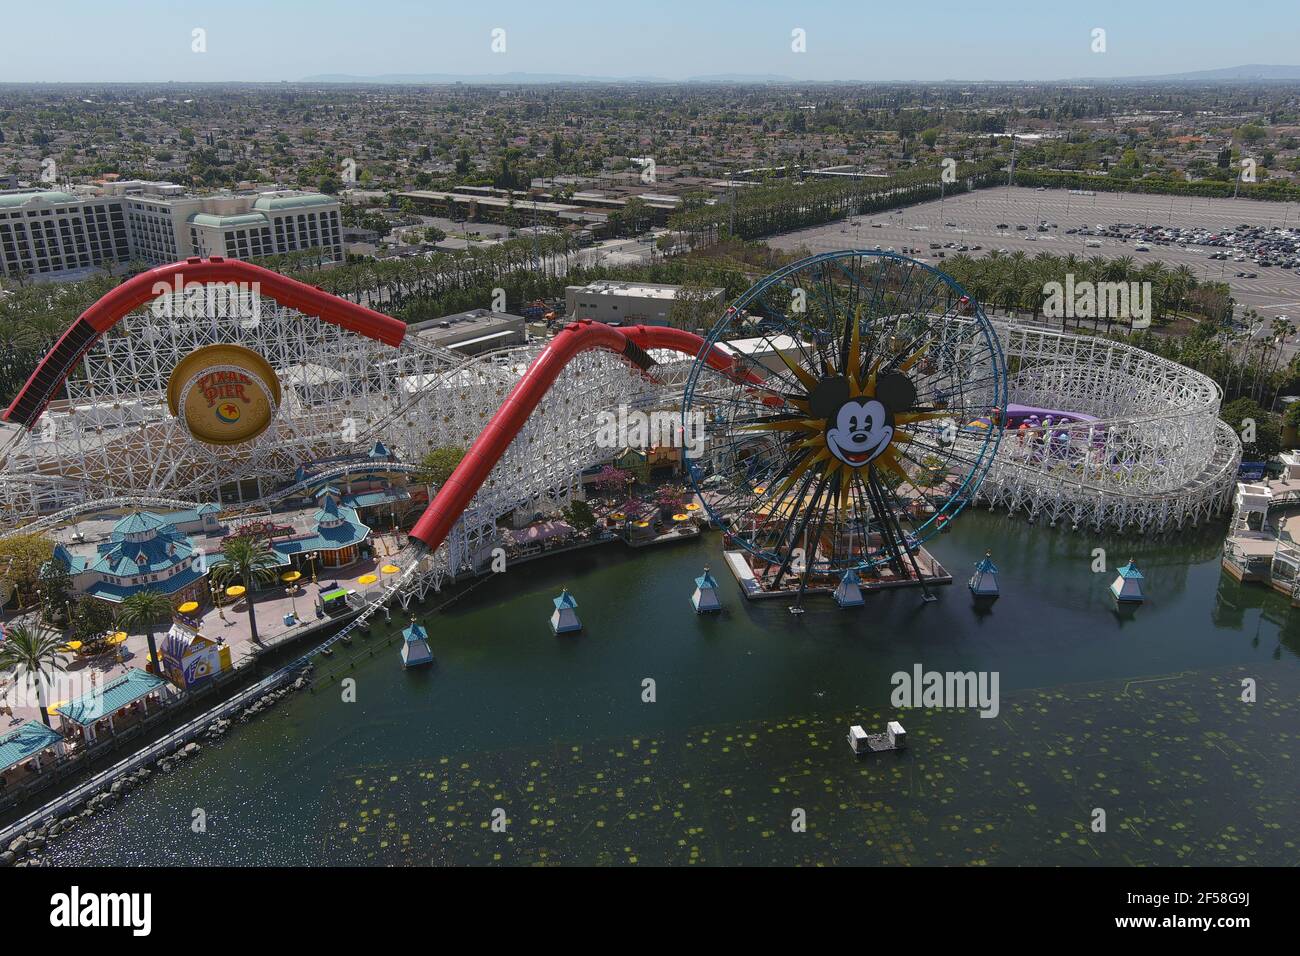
(681,517)
(71,646)
(54,708)
(618,516)
(189,607)
(235,590)
(367,579)
(693,506)
(643,524)
(390,569)
(118,638)
(760,491)
(290,576)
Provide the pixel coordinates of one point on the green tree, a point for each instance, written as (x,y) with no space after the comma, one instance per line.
(248,561)
(1246,415)
(580,515)
(437,465)
(92,621)
(32,652)
(147,608)
(696,307)
(22,557)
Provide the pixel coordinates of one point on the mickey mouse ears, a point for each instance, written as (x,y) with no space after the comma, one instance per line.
(894,390)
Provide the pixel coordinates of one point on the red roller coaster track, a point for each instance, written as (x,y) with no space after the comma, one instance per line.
(632,343)
(49,376)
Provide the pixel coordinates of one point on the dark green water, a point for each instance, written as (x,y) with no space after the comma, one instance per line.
(1138,715)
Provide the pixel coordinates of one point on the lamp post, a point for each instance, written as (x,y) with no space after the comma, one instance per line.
(216,601)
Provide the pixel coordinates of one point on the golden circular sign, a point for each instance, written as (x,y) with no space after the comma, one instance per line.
(225,394)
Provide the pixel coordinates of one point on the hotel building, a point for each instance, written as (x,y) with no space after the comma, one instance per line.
(55,234)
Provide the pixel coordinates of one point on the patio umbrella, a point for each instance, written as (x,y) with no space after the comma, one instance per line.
(54,708)
(290,576)
(390,569)
(368,579)
(189,607)
(693,506)
(71,646)
(118,638)
(236,590)
(681,517)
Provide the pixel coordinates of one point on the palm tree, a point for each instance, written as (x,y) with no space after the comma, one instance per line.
(247,561)
(33,652)
(150,608)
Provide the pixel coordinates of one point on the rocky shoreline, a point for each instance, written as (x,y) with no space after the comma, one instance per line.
(30,848)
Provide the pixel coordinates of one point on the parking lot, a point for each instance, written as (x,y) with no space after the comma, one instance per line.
(972,219)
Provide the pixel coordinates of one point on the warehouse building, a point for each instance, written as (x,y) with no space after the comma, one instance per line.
(628,303)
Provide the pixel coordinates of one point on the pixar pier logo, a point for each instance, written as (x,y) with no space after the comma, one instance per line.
(224,393)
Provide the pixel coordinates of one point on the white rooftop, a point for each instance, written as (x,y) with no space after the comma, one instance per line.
(641,290)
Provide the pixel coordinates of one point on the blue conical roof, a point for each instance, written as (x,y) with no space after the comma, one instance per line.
(706,581)
(415,632)
(986,566)
(379,451)
(565,600)
(1130,571)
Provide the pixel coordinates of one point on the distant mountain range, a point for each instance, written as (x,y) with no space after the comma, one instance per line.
(1234,74)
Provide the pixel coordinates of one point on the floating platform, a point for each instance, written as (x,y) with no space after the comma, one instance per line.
(894,738)
(754,590)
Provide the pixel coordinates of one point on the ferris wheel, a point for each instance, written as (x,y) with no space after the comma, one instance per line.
(864,407)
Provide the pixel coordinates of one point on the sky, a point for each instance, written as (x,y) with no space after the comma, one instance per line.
(276,40)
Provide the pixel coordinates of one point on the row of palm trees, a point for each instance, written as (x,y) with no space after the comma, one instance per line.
(36,653)
(760,211)
(1015,282)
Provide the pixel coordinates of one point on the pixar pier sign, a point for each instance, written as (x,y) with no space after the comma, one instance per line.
(225,394)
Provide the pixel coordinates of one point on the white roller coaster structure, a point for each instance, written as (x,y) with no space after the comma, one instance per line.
(1157,456)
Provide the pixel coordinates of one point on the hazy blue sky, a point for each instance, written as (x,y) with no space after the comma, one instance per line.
(258,40)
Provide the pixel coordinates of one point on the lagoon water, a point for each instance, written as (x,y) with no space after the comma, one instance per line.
(1137,715)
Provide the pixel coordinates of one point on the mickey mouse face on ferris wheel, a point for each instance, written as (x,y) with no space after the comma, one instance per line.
(859,429)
